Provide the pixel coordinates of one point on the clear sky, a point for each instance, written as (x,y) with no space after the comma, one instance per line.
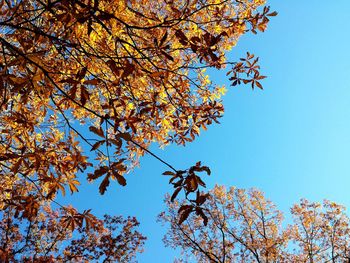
(291,140)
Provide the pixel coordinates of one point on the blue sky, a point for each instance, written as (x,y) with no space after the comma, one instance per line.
(291,140)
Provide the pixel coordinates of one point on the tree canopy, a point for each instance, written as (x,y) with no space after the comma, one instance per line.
(60,236)
(109,77)
(244,226)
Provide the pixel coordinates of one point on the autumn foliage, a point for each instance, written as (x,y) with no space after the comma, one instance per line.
(50,237)
(109,77)
(244,226)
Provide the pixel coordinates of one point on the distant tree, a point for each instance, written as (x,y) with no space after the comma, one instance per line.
(243,226)
(65,235)
(322,232)
(110,76)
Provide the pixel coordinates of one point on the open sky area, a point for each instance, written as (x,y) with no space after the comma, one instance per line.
(290,140)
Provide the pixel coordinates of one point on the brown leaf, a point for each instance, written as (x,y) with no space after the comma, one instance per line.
(98,173)
(200,181)
(163,39)
(184,207)
(200,212)
(113,66)
(91,82)
(167,56)
(104,184)
(8,156)
(184,214)
(97,145)
(124,135)
(16,166)
(117,142)
(176,192)
(181,36)
(99,131)
(121,180)
(84,95)
(193,184)
(128,70)
(169,173)
(273,14)
(258,84)
(81,74)
(201,198)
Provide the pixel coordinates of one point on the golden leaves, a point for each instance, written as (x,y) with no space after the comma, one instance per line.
(130,71)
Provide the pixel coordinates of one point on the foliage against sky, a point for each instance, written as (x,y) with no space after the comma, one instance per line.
(130,72)
(244,226)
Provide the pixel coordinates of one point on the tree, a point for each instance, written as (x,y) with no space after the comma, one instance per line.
(50,237)
(113,77)
(322,232)
(243,226)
